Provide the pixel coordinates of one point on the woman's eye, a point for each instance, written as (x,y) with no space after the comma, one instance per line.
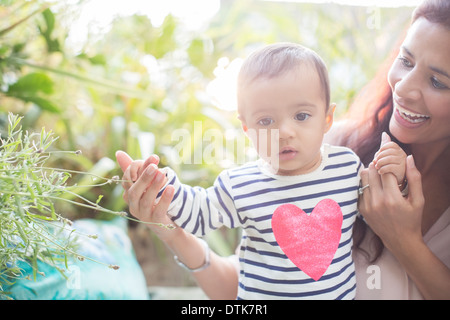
(265,121)
(302,116)
(437,84)
(405,62)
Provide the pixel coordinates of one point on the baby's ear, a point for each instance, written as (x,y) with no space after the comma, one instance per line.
(244,125)
(330,116)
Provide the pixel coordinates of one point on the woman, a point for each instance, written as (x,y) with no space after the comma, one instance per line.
(412,259)
(414,230)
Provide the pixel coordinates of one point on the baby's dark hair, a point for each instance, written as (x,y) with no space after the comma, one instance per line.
(276,59)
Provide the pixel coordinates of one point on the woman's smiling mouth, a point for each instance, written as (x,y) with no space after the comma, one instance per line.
(411,116)
(408,118)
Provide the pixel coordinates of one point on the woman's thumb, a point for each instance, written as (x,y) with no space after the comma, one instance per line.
(415,192)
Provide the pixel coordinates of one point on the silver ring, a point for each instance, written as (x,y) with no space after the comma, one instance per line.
(361,190)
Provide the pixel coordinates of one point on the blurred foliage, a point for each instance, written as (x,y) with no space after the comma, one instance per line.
(130,87)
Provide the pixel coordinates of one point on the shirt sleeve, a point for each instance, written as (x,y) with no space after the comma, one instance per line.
(199,210)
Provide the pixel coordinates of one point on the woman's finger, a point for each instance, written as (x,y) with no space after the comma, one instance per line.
(134,168)
(363,198)
(374,182)
(136,191)
(149,197)
(161,208)
(126,179)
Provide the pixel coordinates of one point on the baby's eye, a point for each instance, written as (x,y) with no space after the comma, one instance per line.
(302,116)
(265,122)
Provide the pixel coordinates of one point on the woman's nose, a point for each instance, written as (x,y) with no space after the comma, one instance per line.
(408,86)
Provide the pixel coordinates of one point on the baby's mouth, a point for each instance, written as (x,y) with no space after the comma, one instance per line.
(410,116)
(287,150)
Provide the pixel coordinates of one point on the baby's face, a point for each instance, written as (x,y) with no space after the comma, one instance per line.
(286,119)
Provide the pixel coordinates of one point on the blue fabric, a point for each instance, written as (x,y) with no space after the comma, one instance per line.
(89,280)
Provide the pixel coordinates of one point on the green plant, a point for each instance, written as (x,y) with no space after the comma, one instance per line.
(31,228)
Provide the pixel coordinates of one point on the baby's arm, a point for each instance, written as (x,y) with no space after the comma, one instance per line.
(391,159)
(195,209)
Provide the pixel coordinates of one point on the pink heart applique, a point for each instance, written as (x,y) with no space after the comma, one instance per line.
(310,242)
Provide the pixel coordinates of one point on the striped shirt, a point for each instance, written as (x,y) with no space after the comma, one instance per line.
(247,197)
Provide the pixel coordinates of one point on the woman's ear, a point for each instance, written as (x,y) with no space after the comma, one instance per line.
(330,117)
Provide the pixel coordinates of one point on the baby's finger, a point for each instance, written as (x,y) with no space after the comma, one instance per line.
(389,148)
(391,168)
(388,160)
(385,138)
(123,159)
(153,159)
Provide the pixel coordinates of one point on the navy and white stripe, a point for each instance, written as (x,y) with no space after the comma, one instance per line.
(247,196)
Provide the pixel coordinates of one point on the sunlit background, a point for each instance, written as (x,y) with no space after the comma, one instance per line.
(106,75)
(96,16)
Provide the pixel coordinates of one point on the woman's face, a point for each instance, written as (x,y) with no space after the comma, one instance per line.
(420,82)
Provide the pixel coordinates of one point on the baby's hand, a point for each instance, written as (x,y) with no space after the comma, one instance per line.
(138,166)
(390,159)
(133,169)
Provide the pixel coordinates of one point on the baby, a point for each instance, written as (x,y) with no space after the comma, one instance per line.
(297,204)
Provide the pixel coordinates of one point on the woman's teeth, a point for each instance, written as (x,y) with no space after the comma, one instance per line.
(411,116)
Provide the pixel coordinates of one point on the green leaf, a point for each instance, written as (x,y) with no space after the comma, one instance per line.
(29,89)
(49,20)
(99,199)
(98,59)
(42,103)
(32,83)
(52,44)
(196,52)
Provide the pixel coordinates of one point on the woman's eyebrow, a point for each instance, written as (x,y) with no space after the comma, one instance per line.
(435,69)
(407,51)
(440,71)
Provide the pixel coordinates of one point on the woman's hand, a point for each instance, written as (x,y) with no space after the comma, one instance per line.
(390,158)
(142,182)
(395,219)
